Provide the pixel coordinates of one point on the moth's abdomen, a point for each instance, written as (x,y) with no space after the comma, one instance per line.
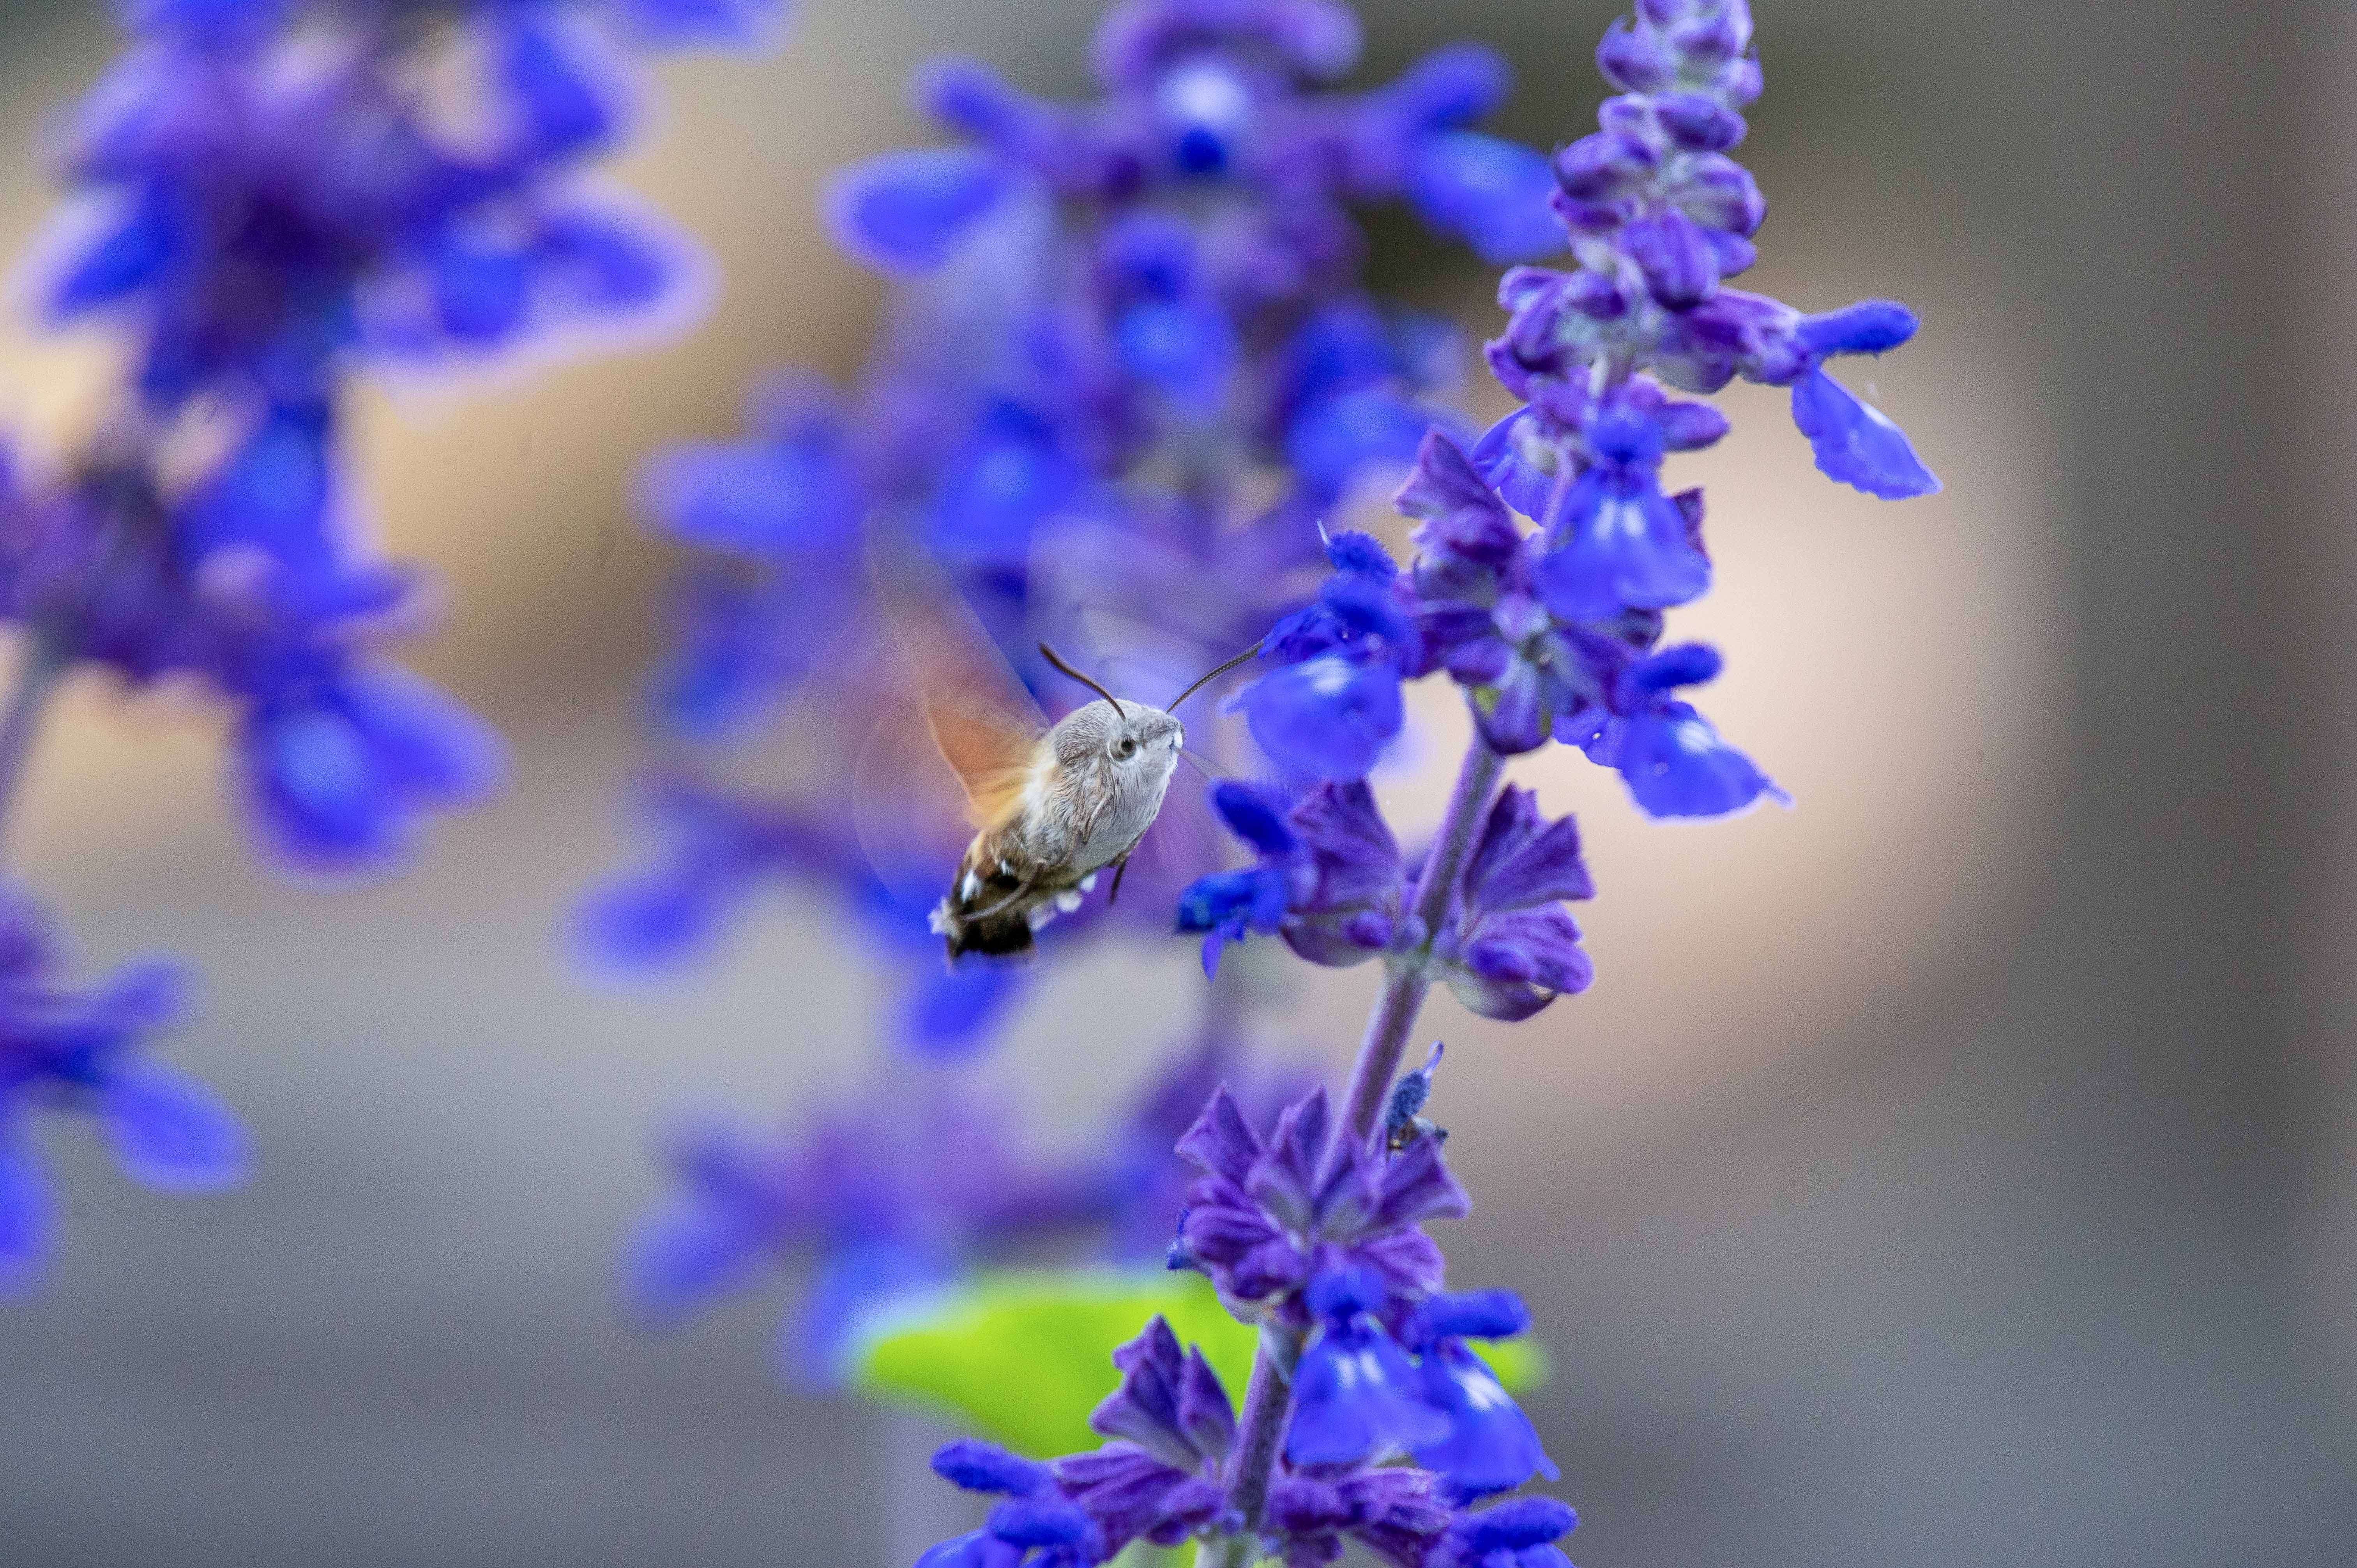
(999,896)
(984,913)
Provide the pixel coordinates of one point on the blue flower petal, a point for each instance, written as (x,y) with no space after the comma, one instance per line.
(1496,459)
(1621,543)
(1334,440)
(598,263)
(1011,478)
(1471,1314)
(975,1549)
(433,750)
(561,105)
(1870,326)
(1040,1522)
(1685,665)
(26,1213)
(973,1465)
(1327,718)
(1491,1446)
(1677,766)
(1522,1525)
(480,294)
(1356,1397)
(1185,348)
(948,1011)
(1855,442)
(685,1254)
(271,493)
(757,498)
(907,213)
(1252,817)
(656,918)
(171,1133)
(129,257)
(1490,193)
(337,775)
(820,1338)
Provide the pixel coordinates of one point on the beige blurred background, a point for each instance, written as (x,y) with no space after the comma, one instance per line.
(1959,1168)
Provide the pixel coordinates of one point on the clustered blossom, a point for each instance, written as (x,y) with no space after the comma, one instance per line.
(905,1189)
(269,204)
(1166,1487)
(894,1193)
(1330,880)
(1396,1428)
(1554,632)
(271,197)
(71,1049)
(1310,1230)
(1129,367)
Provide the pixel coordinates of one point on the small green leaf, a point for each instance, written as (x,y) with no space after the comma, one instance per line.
(1021,1357)
(1519,1365)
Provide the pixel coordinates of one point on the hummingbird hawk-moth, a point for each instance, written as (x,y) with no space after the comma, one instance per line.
(1050,805)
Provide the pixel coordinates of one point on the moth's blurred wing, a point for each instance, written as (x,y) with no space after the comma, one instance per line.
(983,721)
(907,811)
(992,761)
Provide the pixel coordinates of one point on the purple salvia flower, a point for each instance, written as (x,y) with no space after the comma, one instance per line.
(1164,1479)
(269,207)
(1356,1396)
(1330,880)
(1509,947)
(1328,877)
(1265,1219)
(1491,1446)
(1334,704)
(893,1195)
(1516,1534)
(1394,1512)
(1674,762)
(71,1049)
(1160,1478)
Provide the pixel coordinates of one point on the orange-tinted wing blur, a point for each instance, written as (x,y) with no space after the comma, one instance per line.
(984,722)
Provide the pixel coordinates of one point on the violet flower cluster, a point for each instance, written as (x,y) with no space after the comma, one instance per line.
(273,198)
(899,1192)
(1546,554)
(1398,1433)
(84,1050)
(904,1191)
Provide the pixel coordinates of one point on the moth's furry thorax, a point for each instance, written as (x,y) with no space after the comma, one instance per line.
(1095,786)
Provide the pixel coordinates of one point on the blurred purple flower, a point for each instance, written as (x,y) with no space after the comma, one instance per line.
(83,1051)
(894,1194)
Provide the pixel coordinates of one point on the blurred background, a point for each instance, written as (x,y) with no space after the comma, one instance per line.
(1958,1168)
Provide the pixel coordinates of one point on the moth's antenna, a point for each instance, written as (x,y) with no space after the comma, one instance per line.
(1210,676)
(1056,659)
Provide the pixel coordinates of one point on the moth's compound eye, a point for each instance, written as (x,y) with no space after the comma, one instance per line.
(1124,749)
